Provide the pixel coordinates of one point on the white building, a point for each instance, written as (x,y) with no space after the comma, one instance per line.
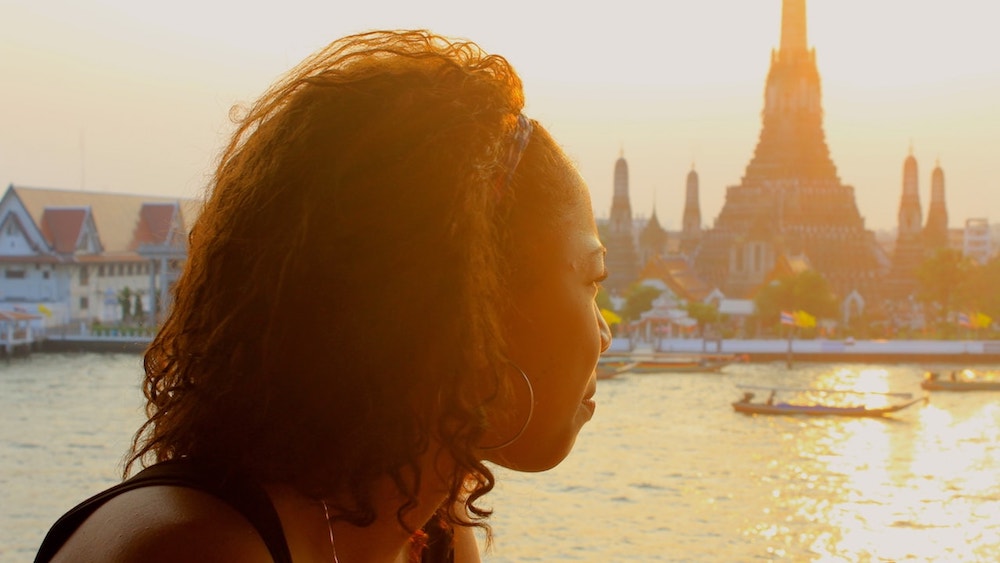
(73,255)
(976,242)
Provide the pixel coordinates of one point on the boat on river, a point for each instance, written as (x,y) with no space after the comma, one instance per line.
(964,380)
(702,365)
(747,405)
(612,365)
(613,368)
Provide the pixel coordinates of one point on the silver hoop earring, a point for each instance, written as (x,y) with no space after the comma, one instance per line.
(531,411)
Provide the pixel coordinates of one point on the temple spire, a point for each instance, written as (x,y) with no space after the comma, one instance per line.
(691,220)
(936,228)
(790,201)
(793,26)
(623,260)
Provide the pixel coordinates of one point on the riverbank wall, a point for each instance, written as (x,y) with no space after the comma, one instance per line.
(960,352)
(963,352)
(102,344)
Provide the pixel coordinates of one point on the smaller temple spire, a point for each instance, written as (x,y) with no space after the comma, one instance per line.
(936,228)
(910,212)
(623,260)
(653,239)
(909,251)
(691,221)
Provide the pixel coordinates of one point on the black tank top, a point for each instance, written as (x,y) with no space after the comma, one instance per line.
(244,495)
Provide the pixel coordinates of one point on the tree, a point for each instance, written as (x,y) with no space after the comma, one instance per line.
(638,300)
(979,288)
(704,313)
(943,282)
(125,300)
(604,300)
(806,291)
(137,311)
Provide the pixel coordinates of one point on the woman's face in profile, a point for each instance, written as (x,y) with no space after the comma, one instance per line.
(556,332)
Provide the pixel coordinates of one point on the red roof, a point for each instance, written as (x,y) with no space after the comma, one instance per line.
(61,227)
(679,276)
(17,316)
(154,226)
(118,218)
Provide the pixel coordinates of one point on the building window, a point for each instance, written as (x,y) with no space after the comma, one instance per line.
(84,276)
(100,271)
(14,274)
(84,303)
(128,269)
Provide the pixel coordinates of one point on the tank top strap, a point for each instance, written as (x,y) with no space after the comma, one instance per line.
(244,495)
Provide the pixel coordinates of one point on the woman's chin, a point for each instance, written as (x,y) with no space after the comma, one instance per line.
(529,458)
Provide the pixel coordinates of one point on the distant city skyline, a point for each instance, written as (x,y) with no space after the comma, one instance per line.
(114,96)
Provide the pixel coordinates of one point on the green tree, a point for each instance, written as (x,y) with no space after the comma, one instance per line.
(806,291)
(604,300)
(703,313)
(137,311)
(944,283)
(638,300)
(125,300)
(979,290)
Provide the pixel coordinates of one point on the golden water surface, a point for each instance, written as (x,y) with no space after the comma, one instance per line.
(666,471)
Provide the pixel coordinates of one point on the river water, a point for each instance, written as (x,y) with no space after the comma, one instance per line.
(666,471)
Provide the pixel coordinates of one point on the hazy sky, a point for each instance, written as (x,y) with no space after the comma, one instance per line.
(116,95)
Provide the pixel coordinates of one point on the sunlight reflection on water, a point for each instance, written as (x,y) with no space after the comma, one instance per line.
(666,471)
(921,485)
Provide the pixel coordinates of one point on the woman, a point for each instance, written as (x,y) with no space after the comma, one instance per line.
(391,283)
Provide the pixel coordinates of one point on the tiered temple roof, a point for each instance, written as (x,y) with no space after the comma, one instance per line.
(790,200)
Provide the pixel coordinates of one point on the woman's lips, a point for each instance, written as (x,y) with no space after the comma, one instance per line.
(588,397)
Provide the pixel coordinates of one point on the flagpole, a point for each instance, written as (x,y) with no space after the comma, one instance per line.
(788,357)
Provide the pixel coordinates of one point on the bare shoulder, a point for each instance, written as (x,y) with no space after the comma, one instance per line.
(160,524)
(466,546)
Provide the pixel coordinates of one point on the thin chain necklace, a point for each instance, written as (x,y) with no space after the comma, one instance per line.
(329,526)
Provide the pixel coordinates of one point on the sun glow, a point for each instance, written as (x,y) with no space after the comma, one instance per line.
(113,96)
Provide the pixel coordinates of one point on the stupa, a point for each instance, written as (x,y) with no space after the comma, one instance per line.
(790,201)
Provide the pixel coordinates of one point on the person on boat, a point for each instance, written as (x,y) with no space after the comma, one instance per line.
(747,397)
(391,283)
(770,398)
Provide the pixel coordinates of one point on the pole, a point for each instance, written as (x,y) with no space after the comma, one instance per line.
(788,356)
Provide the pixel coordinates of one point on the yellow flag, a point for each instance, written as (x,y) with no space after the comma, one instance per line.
(982,320)
(804,319)
(45,310)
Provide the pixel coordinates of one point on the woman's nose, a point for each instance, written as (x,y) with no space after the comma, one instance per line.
(602,324)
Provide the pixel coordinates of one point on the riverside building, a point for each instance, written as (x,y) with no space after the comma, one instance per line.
(72,257)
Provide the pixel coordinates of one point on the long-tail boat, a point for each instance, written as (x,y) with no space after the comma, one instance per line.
(747,405)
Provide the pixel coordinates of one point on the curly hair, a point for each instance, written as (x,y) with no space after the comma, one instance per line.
(339,311)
